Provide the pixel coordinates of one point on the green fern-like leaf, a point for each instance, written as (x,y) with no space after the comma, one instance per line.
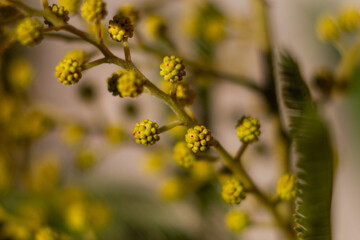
(313,153)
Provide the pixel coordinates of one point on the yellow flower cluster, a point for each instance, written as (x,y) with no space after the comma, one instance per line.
(93,10)
(60,12)
(172,69)
(129,84)
(233,191)
(120,28)
(146,132)
(29,32)
(248,129)
(198,138)
(68,71)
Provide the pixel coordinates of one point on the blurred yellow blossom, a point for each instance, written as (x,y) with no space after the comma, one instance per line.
(156,26)
(327,28)
(45,174)
(349,19)
(286,187)
(72,133)
(46,234)
(85,160)
(13,229)
(76,216)
(207,23)
(115,133)
(98,215)
(8,108)
(237,221)
(183,155)
(20,74)
(32,124)
(202,171)
(83,215)
(173,189)
(154,161)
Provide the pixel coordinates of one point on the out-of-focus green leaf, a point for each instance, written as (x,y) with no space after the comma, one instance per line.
(313,153)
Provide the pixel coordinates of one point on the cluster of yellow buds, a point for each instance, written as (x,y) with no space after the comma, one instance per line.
(121,28)
(146,132)
(60,12)
(93,10)
(68,71)
(29,32)
(129,84)
(198,138)
(248,129)
(233,191)
(172,69)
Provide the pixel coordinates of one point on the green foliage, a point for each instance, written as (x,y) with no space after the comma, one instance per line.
(313,151)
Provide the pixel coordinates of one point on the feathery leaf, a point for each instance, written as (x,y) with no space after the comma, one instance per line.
(313,153)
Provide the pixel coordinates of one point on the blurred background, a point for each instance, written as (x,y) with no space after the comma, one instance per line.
(75,166)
